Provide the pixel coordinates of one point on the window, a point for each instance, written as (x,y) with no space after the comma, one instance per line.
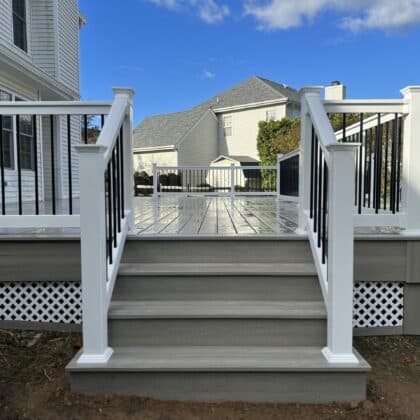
(26,137)
(227,125)
(7,134)
(271,115)
(19,24)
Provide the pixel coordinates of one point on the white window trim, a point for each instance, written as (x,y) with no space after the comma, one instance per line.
(227,126)
(28,51)
(268,111)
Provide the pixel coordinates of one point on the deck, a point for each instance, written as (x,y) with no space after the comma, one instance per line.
(194,216)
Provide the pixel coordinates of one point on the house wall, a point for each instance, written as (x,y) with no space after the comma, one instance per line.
(244,130)
(53,46)
(144,161)
(199,147)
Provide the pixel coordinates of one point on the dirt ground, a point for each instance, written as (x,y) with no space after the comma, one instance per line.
(33,386)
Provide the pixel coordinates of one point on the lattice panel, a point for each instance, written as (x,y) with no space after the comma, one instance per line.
(41,302)
(378,304)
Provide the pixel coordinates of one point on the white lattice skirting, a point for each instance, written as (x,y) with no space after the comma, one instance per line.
(376,304)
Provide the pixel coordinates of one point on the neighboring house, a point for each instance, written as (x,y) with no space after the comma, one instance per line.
(39,60)
(226,124)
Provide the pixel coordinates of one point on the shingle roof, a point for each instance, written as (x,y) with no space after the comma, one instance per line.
(170,129)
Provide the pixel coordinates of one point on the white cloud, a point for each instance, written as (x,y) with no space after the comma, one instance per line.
(209,74)
(210,11)
(356,15)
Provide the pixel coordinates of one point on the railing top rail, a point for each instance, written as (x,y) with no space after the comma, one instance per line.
(366,106)
(228,168)
(55,108)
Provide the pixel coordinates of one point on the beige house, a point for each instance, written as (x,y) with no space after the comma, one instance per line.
(226,124)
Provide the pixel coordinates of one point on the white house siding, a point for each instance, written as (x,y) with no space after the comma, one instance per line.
(6,20)
(42,40)
(75,129)
(144,161)
(243,140)
(199,146)
(68,44)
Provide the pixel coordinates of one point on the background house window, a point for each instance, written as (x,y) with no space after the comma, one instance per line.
(7,134)
(227,125)
(19,24)
(271,115)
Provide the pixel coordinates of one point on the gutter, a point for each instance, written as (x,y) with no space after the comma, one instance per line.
(252,105)
(154,149)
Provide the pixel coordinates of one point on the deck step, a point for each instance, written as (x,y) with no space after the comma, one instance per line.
(218,281)
(219,323)
(211,309)
(258,374)
(217,269)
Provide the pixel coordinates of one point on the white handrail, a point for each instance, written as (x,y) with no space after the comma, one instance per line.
(366,105)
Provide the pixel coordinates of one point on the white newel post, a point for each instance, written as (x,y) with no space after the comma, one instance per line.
(411,154)
(305,155)
(341,173)
(127,94)
(278,176)
(93,254)
(232,180)
(155,180)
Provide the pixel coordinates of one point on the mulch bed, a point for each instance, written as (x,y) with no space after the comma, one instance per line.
(33,386)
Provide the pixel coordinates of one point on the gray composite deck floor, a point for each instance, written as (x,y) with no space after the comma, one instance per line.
(194,216)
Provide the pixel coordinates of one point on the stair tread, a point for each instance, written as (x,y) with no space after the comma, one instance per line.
(218,358)
(217,309)
(250,269)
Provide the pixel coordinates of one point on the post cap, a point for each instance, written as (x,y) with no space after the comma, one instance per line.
(410,89)
(124,91)
(313,90)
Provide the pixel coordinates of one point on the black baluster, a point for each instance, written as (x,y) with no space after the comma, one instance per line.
(52,163)
(110,228)
(324,213)
(2,186)
(102,120)
(344,127)
(35,149)
(320,159)
(69,168)
(121,138)
(19,163)
(118,182)
(114,198)
(399,155)
(378,165)
(361,172)
(85,131)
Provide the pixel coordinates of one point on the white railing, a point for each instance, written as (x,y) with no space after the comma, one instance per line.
(333,191)
(56,125)
(106,216)
(233,180)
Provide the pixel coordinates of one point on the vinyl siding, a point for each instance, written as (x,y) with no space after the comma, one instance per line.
(243,140)
(68,43)
(42,35)
(199,146)
(6,20)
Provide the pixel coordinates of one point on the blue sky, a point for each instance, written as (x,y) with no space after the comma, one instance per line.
(177,53)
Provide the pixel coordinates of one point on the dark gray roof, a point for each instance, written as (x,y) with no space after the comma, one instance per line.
(170,129)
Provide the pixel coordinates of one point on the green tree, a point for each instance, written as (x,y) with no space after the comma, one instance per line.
(275,137)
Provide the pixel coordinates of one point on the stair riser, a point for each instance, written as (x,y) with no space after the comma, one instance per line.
(217,288)
(208,332)
(223,251)
(270,387)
